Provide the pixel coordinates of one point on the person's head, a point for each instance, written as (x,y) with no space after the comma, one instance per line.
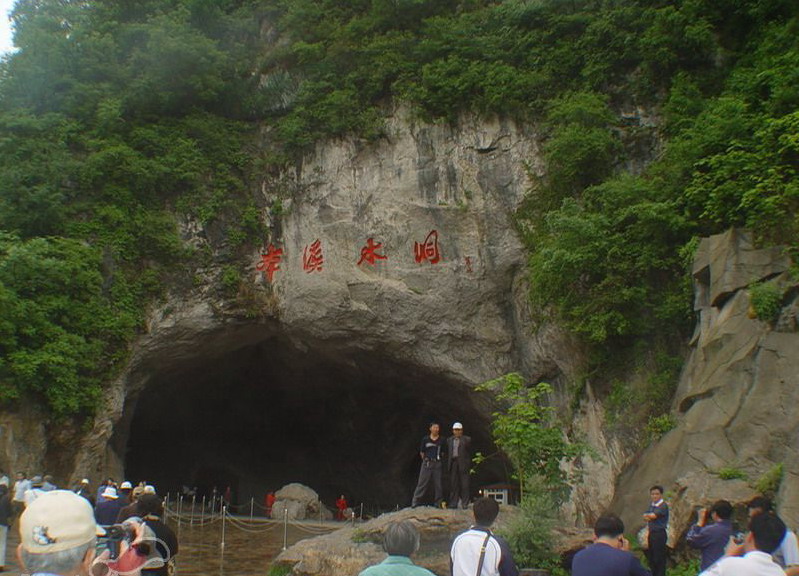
(485,511)
(21,476)
(58,535)
(37,481)
(125,488)
(656,493)
(609,527)
(434,428)
(401,539)
(149,505)
(48,478)
(457,429)
(758,505)
(766,532)
(721,510)
(84,483)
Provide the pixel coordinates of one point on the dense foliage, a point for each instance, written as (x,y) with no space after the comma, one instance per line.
(116,116)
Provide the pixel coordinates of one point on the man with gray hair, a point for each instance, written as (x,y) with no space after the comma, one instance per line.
(58,535)
(400,540)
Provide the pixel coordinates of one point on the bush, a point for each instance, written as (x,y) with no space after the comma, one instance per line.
(731,473)
(529,533)
(769,483)
(766,300)
(657,426)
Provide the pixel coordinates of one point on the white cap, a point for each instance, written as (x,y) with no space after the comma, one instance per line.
(56,521)
(84,481)
(457,426)
(110,492)
(126,486)
(149,489)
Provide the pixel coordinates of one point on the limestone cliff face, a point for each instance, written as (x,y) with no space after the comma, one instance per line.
(444,294)
(738,399)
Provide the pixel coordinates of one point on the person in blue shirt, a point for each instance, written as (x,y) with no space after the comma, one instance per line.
(610,554)
(711,538)
(400,541)
(657,517)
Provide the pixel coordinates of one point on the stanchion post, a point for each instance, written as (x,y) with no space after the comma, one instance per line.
(353,518)
(361,517)
(252,506)
(180,508)
(320,512)
(193,499)
(213,505)
(285,528)
(202,514)
(224,510)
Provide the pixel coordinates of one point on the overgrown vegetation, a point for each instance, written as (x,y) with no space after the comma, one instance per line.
(769,483)
(766,299)
(114,117)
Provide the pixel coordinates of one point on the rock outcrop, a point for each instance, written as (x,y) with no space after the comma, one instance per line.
(298,502)
(737,403)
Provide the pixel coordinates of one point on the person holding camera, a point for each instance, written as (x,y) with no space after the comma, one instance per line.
(766,532)
(711,538)
(610,554)
(150,508)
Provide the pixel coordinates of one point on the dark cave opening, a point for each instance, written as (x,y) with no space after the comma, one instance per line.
(271,413)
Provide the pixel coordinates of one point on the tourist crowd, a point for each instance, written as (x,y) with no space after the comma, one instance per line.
(62,531)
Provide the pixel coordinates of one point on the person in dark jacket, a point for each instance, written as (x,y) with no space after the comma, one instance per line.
(711,538)
(150,508)
(610,554)
(657,518)
(107,510)
(6,513)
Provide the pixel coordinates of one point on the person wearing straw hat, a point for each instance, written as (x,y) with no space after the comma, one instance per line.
(58,535)
(107,510)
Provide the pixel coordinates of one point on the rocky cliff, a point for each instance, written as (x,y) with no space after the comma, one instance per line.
(391,283)
(737,404)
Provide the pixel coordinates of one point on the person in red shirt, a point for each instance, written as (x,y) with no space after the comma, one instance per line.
(342,505)
(269,501)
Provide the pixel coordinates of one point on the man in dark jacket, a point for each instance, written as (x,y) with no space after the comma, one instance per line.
(609,555)
(150,509)
(459,462)
(711,538)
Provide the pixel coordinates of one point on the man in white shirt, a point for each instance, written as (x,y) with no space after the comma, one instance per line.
(21,486)
(766,532)
(478,552)
(787,554)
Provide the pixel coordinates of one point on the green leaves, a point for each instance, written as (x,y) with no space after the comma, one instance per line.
(526,430)
(58,326)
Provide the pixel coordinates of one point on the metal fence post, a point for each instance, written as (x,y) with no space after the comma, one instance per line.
(191,520)
(285,527)
(224,510)
(252,505)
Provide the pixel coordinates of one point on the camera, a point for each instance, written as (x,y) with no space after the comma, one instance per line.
(115,534)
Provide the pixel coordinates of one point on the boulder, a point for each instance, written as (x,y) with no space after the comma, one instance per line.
(351,549)
(300,502)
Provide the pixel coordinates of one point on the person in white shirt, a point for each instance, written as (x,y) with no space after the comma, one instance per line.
(766,532)
(21,486)
(787,555)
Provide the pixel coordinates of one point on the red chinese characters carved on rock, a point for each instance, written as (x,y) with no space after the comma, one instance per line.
(270,262)
(369,252)
(428,250)
(312,259)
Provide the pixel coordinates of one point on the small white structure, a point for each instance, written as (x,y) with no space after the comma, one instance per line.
(499,492)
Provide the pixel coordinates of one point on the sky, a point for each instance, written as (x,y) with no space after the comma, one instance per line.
(5,25)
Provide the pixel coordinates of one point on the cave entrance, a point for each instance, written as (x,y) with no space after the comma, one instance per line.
(270,413)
